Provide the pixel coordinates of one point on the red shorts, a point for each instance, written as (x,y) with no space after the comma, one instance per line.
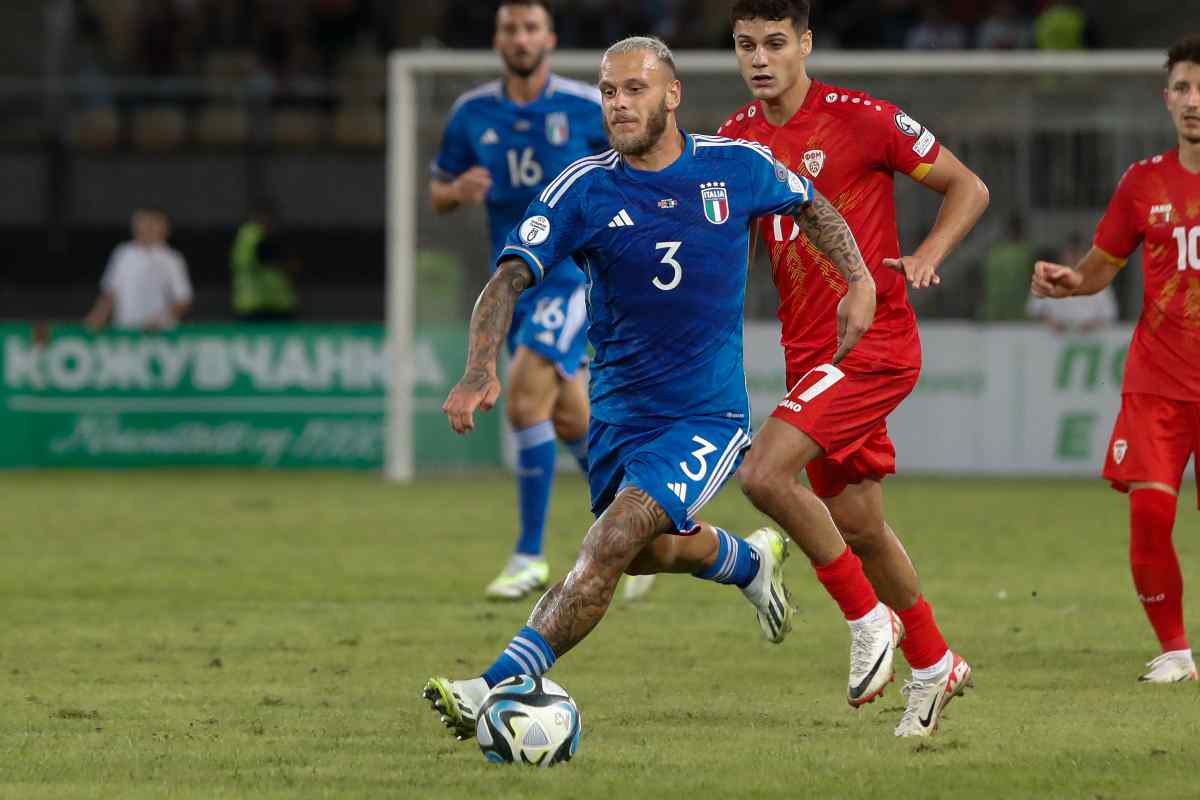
(1152,441)
(847,415)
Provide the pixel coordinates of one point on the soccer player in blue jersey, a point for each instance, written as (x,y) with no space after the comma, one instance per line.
(504,141)
(660,225)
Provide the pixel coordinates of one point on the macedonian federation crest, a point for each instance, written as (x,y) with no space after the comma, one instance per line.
(813,161)
(716,201)
(557,130)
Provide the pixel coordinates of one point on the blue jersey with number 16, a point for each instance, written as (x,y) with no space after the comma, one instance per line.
(522,145)
(665,255)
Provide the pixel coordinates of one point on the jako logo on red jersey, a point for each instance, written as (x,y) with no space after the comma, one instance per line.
(716,202)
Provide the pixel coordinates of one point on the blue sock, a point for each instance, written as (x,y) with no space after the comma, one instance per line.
(535,474)
(578,449)
(737,562)
(527,654)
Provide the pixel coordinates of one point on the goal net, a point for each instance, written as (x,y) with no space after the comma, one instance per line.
(1049,133)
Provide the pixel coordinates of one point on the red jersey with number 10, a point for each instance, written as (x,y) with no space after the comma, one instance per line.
(851,145)
(1157,204)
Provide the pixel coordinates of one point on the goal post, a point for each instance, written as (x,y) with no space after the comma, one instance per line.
(1010,111)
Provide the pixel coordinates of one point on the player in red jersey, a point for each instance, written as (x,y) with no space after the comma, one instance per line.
(1157,205)
(832,422)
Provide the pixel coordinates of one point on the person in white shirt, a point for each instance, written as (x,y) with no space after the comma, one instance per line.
(145,286)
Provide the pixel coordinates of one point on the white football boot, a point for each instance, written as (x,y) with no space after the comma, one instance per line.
(1174,667)
(637,587)
(927,699)
(873,642)
(767,592)
(521,576)
(457,702)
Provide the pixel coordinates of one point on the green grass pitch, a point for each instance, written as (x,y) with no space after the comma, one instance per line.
(206,634)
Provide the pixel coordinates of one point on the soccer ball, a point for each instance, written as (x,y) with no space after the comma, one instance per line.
(528,720)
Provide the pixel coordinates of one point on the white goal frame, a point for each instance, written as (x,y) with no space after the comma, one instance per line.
(406,178)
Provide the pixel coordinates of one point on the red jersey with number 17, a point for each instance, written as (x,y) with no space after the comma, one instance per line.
(851,145)
(1157,205)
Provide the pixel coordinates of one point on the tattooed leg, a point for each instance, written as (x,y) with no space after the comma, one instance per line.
(677,554)
(570,609)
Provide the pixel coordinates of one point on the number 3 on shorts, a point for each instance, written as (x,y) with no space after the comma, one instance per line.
(700,454)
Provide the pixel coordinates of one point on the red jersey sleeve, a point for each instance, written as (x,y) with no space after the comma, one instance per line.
(1119,232)
(908,146)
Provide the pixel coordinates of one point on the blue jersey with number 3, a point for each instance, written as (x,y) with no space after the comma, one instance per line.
(665,254)
(522,146)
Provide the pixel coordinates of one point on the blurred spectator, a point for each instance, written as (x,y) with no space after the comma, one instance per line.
(1063,25)
(145,286)
(335,27)
(936,30)
(1006,273)
(262,285)
(869,24)
(1083,314)
(1004,29)
(75,48)
(160,38)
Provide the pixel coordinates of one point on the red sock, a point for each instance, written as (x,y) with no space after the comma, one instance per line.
(923,644)
(846,583)
(1155,566)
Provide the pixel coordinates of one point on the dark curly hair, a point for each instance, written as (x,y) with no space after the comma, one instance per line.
(797,11)
(1186,49)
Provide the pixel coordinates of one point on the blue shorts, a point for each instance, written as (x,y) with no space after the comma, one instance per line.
(552,322)
(681,465)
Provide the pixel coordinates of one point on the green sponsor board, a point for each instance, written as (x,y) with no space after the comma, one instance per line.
(223,395)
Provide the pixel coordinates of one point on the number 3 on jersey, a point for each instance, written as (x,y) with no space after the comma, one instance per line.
(1188,240)
(669,260)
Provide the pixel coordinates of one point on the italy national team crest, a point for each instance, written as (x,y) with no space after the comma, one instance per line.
(813,161)
(716,201)
(557,129)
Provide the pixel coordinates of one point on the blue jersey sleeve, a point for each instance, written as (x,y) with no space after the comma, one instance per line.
(456,155)
(549,233)
(776,188)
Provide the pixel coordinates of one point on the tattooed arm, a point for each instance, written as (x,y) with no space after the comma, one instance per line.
(826,228)
(479,387)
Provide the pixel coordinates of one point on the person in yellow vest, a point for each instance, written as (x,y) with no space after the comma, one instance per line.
(1063,25)
(262,283)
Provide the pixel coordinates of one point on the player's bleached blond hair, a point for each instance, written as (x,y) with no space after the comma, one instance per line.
(644,44)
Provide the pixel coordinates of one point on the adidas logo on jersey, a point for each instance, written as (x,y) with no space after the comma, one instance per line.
(679,490)
(489,137)
(621,220)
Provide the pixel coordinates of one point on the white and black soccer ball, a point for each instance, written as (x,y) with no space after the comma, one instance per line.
(528,720)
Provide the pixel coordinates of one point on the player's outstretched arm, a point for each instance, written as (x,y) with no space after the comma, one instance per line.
(827,229)
(966,198)
(479,386)
(1092,274)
